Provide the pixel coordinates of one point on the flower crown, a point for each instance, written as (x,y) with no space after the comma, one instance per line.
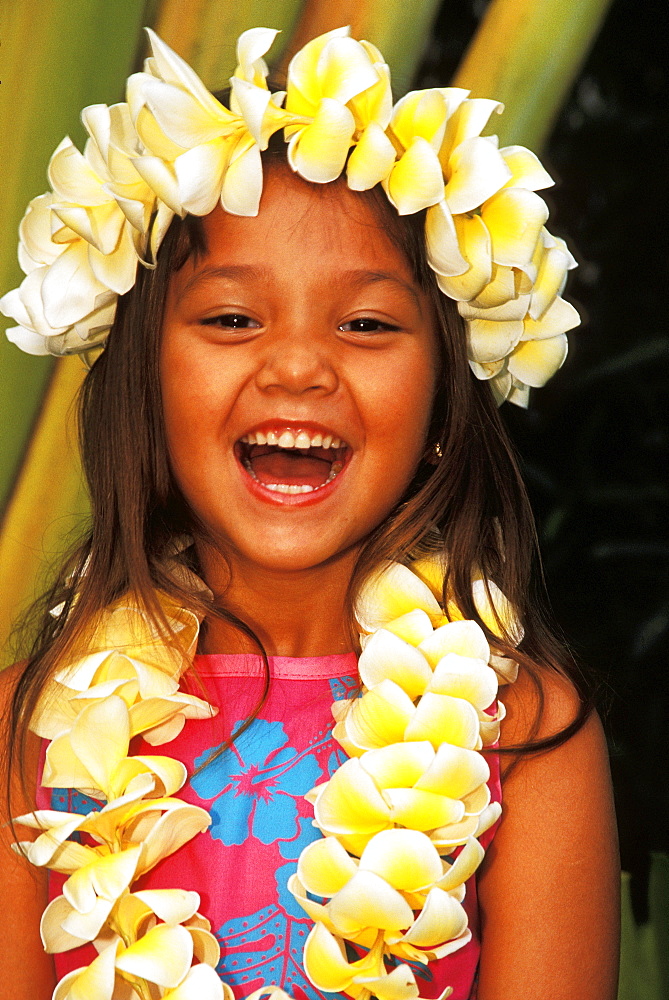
(173,148)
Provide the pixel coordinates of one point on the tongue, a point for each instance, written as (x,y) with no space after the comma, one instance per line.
(291,468)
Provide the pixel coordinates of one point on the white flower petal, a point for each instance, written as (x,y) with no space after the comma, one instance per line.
(559,317)
(515,218)
(416,181)
(455,772)
(465,638)
(344,69)
(443,246)
(72,177)
(476,171)
(491,340)
(28,341)
(318,151)
(118,270)
(368,900)
(467,121)
(251,47)
(163,955)
(182,118)
(386,656)
(372,159)
(242,183)
(526,169)
(420,113)
(535,361)
(475,246)
(405,859)
(200,173)
(174,69)
(69,288)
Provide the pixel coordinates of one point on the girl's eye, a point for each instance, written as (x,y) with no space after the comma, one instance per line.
(366,325)
(232,321)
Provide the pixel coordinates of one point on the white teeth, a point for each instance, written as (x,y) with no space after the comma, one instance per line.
(286,440)
(292,487)
(289,488)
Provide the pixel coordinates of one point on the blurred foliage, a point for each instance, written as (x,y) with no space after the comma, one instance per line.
(644,967)
(595,442)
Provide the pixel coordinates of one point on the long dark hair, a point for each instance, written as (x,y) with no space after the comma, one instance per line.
(471,505)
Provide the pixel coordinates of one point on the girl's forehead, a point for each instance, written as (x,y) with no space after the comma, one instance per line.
(328,221)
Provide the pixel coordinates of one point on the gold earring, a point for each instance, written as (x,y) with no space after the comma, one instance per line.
(437,451)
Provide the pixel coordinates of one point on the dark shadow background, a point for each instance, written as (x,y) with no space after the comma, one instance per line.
(595,442)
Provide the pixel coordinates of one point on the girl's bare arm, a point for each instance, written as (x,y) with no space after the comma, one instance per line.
(27,971)
(549,889)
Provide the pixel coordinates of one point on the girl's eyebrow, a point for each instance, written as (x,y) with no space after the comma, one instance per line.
(361,277)
(233,272)
(238,272)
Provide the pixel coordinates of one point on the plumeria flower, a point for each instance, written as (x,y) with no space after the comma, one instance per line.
(324,80)
(118,147)
(200,151)
(147,832)
(494,609)
(92,755)
(143,952)
(391,593)
(372,902)
(406,601)
(328,969)
(374,153)
(113,972)
(38,254)
(166,823)
(158,718)
(404,784)
(418,124)
(250,96)
(136,663)
(490,214)
(98,237)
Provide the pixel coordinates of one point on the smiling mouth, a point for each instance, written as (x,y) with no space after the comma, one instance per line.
(292,461)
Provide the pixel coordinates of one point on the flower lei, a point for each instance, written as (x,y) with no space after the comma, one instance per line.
(412,792)
(173,148)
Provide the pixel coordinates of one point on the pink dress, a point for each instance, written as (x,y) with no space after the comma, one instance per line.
(261,822)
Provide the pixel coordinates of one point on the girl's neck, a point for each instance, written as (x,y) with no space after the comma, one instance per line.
(292,612)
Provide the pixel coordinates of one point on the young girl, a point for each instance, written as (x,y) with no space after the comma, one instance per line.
(294,456)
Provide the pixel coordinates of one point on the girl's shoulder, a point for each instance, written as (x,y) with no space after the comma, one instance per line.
(9,678)
(23,893)
(538,706)
(24,760)
(551,877)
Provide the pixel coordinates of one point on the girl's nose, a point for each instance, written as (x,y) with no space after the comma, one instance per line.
(298,363)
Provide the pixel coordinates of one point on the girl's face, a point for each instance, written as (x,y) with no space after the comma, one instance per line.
(298,367)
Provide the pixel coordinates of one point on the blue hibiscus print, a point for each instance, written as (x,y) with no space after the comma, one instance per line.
(291,850)
(255,785)
(344,687)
